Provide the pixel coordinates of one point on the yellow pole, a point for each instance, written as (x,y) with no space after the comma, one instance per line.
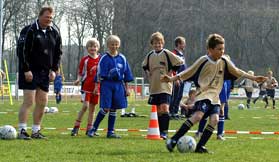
(8,79)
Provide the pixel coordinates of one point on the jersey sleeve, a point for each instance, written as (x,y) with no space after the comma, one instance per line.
(81,67)
(128,75)
(144,63)
(234,71)
(28,43)
(174,59)
(190,72)
(102,72)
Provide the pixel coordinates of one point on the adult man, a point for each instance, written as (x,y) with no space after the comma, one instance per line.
(38,61)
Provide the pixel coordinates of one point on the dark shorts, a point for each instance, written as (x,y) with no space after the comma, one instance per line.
(248,94)
(40,80)
(270,92)
(158,99)
(262,93)
(207,108)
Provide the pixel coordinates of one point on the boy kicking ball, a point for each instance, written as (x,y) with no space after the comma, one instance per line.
(208,74)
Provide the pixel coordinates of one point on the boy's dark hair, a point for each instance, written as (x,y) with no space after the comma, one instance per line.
(178,40)
(213,40)
(44,9)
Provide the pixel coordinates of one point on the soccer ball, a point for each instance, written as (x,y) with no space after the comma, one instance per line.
(186,144)
(241,106)
(53,110)
(46,110)
(8,132)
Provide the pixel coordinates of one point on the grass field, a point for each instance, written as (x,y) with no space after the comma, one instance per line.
(133,147)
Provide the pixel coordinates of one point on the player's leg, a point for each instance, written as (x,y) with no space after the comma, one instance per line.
(173,100)
(85,97)
(92,105)
(41,99)
(221,123)
(28,101)
(202,124)
(111,123)
(163,119)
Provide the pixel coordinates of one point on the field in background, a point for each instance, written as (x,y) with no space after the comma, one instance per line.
(133,146)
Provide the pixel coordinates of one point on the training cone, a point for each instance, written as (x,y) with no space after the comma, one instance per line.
(153,130)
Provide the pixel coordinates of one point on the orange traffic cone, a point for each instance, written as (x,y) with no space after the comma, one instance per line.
(153,130)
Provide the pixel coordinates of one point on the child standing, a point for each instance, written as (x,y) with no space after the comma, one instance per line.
(86,74)
(208,74)
(114,73)
(58,86)
(187,105)
(248,85)
(271,84)
(158,62)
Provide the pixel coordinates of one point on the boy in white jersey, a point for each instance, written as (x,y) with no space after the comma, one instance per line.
(271,84)
(208,74)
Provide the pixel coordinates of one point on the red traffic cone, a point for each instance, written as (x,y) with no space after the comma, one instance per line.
(153,130)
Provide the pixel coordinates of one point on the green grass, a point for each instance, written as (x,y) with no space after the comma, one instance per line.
(133,146)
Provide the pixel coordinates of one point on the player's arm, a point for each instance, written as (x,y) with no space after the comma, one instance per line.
(28,43)
(275,83)
(240,73)
(57,53)
(186,74)
(80,71)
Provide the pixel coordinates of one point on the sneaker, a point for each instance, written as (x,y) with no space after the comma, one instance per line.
(24,135)
(273,107)
(113,135)
(170,144)
(91,133)
(164,135)
(221,138)
(198,135)
(38,135)
(95,134)
(74,132)
(202,150)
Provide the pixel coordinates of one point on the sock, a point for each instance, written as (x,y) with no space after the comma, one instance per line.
(77,124)
(273,102)
(248,101)
(111,122)
(205,136)
(101,114)
(164,122)
(202,125)
(57,99)
(89,126)
(122,111)
(221,123)
(226,110)
(182,130)
(36,128)
(133,110)
(255,100)
(22,126)
(60,98)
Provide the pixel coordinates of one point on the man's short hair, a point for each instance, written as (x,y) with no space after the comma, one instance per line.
(213,40)
(44,9)
(179,40)
(157,36)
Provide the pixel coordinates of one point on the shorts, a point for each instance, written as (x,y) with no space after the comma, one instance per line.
(207,108)
(270,92)
(158,99)
(248,94)
(112,95)
(90,97)
(262,93)
(40,80)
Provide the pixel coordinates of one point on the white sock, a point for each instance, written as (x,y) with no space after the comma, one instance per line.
(36,128)
(22,126)
(133,110)
(122,111)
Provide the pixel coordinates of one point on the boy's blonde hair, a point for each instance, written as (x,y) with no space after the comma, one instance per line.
(157,36)
(91,42)
(213,40)
(270,72)
(191,92)
(113,38)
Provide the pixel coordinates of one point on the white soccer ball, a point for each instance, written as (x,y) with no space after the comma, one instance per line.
(8,132)
(186,144)
(46,110)
(53,110)
(241,106)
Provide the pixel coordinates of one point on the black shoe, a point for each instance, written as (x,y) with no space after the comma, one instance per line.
(75,132)
(38,135)
(202,150)
(24,135)
(227,118)
(170,144)
(95,134)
